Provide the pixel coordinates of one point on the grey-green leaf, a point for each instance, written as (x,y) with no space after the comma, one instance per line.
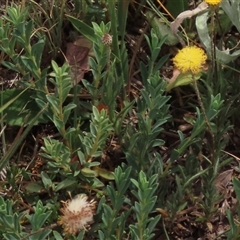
(202,28)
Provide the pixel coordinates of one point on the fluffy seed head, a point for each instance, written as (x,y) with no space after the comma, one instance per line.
(107,39)
(77,214)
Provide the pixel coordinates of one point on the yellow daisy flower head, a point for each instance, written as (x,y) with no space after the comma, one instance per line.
(190,59)
(213,2)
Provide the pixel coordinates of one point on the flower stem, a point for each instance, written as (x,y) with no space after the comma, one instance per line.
(205,116)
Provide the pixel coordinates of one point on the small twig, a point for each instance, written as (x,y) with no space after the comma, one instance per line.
(40,230)
(36,146)
(238,159)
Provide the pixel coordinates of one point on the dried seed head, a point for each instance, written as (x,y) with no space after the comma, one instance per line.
(107,39)
(77,214)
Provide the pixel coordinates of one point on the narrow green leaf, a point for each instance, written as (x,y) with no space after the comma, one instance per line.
(182,80)
(83,28)
(57,235)
(203,33)
(64,184)
(162,30)
(87,172)
(34,187)
(236,185)
(104,173)
(16,143)
(46,180)
(2,108)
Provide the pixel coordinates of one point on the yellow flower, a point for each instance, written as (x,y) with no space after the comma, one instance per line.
(213,2)
(77,214)
(190,59)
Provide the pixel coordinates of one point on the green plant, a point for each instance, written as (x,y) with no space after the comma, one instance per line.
(138,208)
(11,222)
(234,230)
(57,112)
(90,145)
(15,36)
(129,154)
(114,218)
(152,112)
(146,200)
